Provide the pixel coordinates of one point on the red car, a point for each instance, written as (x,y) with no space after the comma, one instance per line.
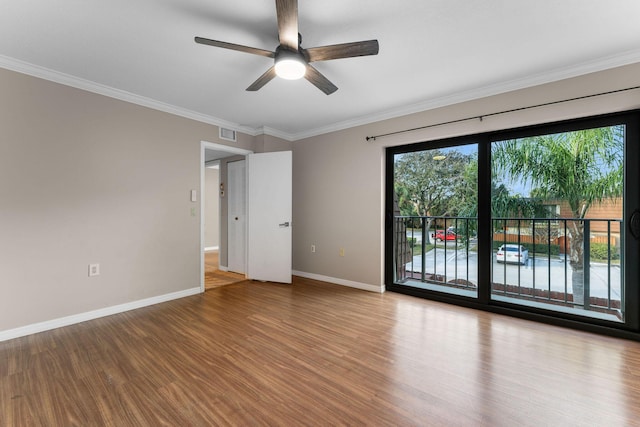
(440,235)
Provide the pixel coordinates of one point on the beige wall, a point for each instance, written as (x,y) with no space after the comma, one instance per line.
(89,179)
(338,177)
(268,143)
(212,208)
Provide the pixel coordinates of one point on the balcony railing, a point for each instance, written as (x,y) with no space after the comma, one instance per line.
(571,263)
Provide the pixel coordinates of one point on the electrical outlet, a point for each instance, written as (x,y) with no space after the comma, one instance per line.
(341,253)
(313,249)
(94,270)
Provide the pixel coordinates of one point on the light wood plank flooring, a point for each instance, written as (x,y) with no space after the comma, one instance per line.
(315,354)
(213,277)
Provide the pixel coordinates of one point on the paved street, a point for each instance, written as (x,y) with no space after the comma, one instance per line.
(541,272)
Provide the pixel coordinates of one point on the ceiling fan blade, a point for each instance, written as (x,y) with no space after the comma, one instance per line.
(344,50)
(263,79)
(319,81)
(287,11)
(234,46)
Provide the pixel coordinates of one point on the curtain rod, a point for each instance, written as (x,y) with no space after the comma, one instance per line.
(481,117)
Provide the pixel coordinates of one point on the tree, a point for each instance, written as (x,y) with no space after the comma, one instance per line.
(507,205)
(581,168)
(428,183)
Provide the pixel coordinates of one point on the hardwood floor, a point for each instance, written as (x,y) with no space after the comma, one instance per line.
(213,277)
(316,354)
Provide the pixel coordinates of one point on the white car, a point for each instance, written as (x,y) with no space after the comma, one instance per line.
(512,253)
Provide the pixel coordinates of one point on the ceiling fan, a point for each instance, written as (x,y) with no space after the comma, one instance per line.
(291,60)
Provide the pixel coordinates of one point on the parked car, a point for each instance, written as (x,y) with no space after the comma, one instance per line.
(512,253)
(441,235)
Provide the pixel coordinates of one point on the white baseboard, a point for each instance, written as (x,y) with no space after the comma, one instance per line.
(223,268)
(343,282)
(95,314)
(211,248)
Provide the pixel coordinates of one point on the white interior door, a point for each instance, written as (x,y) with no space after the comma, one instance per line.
(269,188)
(236,238)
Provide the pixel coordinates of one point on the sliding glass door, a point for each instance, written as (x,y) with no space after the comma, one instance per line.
(557,217)
(535,220)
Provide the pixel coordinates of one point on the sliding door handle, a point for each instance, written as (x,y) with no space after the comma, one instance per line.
(634,224)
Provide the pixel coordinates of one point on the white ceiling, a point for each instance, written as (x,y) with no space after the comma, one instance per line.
(432,53)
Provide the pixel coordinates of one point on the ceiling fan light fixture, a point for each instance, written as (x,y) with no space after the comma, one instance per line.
(290,65)
(290,60)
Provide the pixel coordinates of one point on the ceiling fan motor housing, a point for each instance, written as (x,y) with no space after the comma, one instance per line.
(289,64)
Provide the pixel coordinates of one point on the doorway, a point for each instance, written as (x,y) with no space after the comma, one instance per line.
(214,240)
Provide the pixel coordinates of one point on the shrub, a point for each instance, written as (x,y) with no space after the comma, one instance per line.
(600,251)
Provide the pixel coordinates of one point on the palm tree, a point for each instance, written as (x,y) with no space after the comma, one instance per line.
(582,168)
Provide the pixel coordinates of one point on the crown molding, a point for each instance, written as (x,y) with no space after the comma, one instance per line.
(602,64)
(90,86)
(265,130)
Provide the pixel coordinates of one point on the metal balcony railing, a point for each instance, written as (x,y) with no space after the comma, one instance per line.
(570,262)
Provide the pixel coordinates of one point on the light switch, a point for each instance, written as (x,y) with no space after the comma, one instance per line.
(194,196)
(94,270)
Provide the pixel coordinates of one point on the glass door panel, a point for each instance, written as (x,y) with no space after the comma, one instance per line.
(435,219)
(556,215)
